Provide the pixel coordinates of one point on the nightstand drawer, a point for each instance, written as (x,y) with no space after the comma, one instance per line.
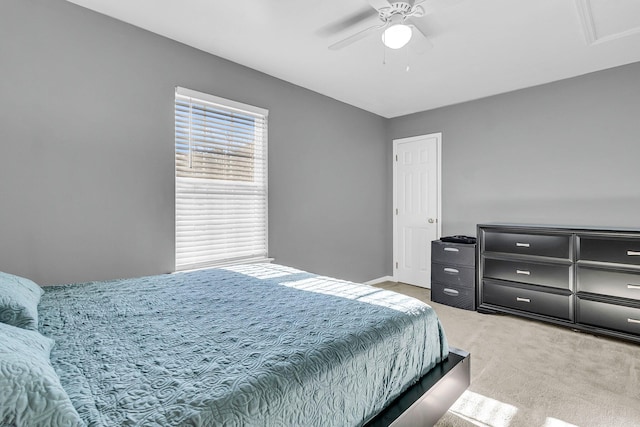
(448,253)
(609,282)
(607,249)
(609,316)
(529,300)
(453,296)
(554,275)
(548,245)
(453,275)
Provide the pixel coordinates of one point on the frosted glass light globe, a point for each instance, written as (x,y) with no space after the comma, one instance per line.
(396,36)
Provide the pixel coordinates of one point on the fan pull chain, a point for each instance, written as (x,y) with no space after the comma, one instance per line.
(408,66)
(384,51)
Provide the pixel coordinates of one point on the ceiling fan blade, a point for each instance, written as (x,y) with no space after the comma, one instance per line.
(357,36)
(437,5)
(350,21)
(427,25)
(419,43)
(419,25)
(379,4)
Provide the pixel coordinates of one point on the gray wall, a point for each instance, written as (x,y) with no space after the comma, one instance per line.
(562,153)
(86,153)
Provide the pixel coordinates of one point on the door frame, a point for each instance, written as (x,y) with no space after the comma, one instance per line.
(396,142)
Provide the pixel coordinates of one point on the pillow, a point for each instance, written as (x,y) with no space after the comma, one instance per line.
(30,390)
(19,298)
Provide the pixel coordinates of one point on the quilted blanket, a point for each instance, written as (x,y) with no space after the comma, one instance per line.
(251,345)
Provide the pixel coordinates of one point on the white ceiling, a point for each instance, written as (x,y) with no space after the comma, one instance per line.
(478,48)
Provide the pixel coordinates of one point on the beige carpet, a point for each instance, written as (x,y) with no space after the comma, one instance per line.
(529,373)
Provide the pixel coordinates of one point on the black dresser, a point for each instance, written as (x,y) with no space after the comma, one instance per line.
(584,278)
(453,274)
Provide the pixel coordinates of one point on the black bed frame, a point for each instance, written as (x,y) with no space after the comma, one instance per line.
(430,398)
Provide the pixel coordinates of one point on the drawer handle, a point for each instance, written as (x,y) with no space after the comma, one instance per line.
(451,270)
(522,245)
(633,321)
(452,249)
(451,292)
(633,253)
(523,299)
(525,272)
(630,286)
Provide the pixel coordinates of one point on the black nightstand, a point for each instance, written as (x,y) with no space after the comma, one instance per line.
(453,274)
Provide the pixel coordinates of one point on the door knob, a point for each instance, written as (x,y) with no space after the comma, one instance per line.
(431,220)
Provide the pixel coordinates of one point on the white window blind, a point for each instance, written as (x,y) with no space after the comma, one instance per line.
(221,180)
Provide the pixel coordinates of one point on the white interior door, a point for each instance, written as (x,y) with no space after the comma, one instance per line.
(416,200)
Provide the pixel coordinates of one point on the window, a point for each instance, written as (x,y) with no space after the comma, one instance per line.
(221,181)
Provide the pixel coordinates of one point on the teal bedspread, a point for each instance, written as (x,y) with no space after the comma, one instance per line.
(251,345)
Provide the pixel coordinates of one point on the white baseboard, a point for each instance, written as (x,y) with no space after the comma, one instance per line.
(380,280)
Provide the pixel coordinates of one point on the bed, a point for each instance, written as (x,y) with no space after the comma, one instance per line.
(256,344)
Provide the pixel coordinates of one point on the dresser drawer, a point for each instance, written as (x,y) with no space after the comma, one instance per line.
(609,249)
(609,316)
(548,245)
(454,296)
(529,300)
(554,275)
(608,282)
(447,253)
(453,275)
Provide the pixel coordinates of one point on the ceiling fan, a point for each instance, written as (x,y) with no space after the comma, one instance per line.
(398,20)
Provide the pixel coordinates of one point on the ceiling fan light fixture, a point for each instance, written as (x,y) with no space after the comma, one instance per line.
(396,36)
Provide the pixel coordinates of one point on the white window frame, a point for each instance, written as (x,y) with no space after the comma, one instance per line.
(231,107)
